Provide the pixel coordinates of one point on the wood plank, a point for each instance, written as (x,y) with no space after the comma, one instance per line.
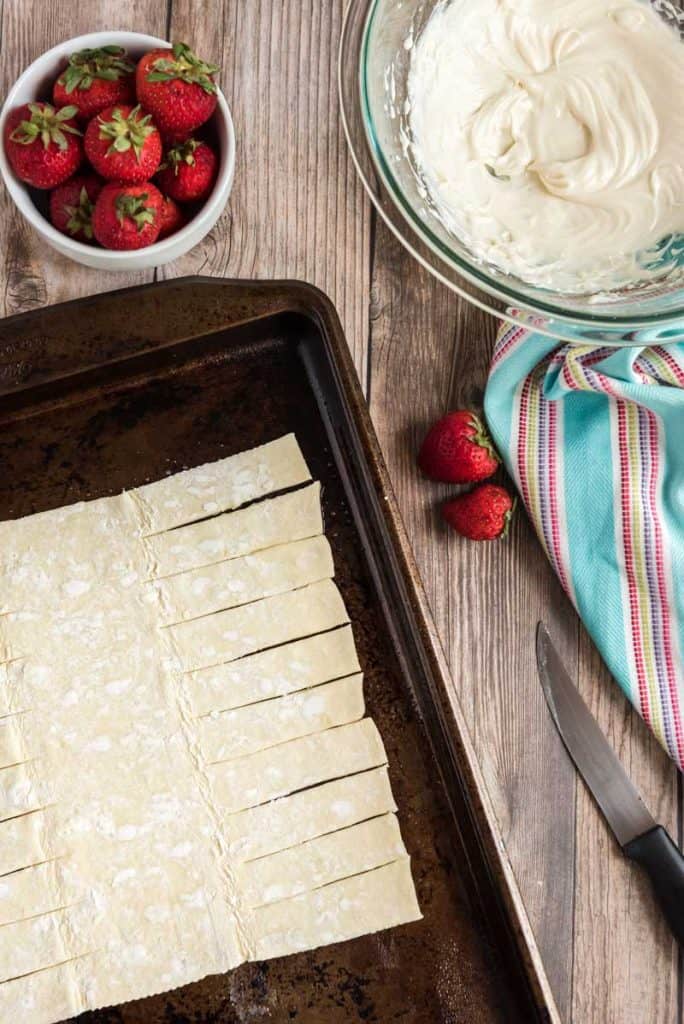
(625,957)
(430,352)
(297,208)
(31,273)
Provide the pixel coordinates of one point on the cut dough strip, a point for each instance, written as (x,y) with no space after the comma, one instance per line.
(322,860)
(12,749)
(304,762)
(266,524)
(239,581)
(360,905)
(273,673)
(29,892)
(19,791)
(32,945)
(252,627)
(24,842)
(15,693)
(292,820)
(245,731)
(43,997)
(219,486)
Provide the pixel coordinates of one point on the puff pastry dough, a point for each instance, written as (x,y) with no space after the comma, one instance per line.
(187,780)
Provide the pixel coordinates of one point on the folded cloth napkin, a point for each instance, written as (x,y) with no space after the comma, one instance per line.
(594,439)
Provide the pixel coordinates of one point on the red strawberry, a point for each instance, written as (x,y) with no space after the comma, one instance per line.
(123,144)
(458,450)
(94,80)
(71,206)
(177,88)
(127,216)
(42,144)
(482,514)
(188,171)
(171,218)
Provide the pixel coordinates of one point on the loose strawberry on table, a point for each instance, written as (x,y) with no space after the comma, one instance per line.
(71,206)
(482,514)
(43,144)
(458,450)
(178,89)
(94,80)
(123,144)
(127,216)
(171,218)
(188,171)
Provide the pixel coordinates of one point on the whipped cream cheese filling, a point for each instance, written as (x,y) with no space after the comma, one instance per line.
(550,135)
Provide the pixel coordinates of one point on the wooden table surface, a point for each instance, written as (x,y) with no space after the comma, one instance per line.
(297,210)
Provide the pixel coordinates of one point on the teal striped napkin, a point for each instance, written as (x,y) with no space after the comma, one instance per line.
(594,439)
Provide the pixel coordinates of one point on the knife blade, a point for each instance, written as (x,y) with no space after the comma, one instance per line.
(641,838)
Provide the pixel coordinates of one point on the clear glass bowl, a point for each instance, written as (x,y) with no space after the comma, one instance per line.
(373,72)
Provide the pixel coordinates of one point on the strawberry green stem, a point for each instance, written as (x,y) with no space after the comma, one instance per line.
(47,124)
(134,208)
(108,63)
(127,132)
(183,64)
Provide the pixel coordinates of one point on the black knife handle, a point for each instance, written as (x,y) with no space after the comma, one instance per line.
(664,865)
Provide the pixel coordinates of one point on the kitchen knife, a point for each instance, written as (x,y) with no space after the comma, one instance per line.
(641,838)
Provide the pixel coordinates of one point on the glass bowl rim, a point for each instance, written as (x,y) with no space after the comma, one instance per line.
(479,278)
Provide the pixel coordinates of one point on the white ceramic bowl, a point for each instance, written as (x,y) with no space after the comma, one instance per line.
(36,83)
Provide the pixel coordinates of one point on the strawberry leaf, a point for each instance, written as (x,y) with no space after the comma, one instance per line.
(47,124)
(134,208)
(185,66)
(108,63)
(182,152)
(127,132)
(80,217)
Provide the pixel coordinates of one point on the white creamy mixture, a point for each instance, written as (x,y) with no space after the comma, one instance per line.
(550,134)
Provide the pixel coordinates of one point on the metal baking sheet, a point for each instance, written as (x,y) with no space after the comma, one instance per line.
(110,392)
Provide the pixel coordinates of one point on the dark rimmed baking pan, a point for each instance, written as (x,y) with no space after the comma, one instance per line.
(109,392)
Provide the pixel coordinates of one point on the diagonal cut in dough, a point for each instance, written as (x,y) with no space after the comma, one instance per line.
(319,861)
(246,730)
(339,911)
(304,762)
(218,486)
(29,892)
(20,791)
(24,841)
(48,995)
(198,592)
(291,820)
(33,944)
(273,672)
(273,521)
(231,634)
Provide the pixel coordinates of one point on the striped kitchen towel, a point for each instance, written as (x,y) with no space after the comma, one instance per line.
(594,439)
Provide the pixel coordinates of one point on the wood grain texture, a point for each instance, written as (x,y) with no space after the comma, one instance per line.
(625,955)
(32,274)
(429,352)
(297,208)
(608,954)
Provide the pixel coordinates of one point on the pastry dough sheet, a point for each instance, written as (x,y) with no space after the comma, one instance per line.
(187,781)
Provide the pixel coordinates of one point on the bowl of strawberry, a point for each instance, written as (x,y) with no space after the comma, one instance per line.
(119,149)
